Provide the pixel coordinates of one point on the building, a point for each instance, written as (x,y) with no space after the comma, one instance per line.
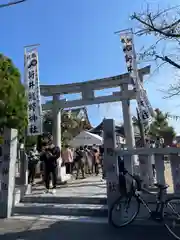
(120,133)
(80,113)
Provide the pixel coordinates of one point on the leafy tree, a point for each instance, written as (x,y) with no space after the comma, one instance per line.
(160,128)
(13,103)
(164,25)
(143,128)
(30,141)
(71,125)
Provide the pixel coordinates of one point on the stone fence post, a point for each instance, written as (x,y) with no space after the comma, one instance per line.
(7,172)
(146,171)
(175,171)
(160,168)
(23,167)
(110,161)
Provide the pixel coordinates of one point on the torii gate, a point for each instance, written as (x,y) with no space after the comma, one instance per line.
(86,89)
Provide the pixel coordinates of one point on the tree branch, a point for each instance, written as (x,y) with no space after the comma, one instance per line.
(168,60)
(165,25)
(152,28)
(11,3)
(174,90)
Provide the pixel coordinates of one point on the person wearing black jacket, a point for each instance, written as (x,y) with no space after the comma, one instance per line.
(33,158)
(49,156)
(80,161)
(101,150)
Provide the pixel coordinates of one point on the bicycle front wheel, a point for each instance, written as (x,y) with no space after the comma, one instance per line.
(123,211)
(171,215)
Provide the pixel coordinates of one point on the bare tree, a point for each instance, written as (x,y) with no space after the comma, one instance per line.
(165,26)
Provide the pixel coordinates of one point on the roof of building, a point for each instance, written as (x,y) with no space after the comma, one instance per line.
(76,112)
(118,129)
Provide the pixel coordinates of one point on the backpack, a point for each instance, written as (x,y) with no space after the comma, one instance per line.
(80,154)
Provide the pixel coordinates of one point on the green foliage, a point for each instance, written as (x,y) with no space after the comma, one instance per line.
(71,125)
(158,128)
(30,141)
(136,123)
(13,103)
(161,128)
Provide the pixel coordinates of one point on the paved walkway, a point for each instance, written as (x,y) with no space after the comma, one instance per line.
(168,177)
(64,230)
(91,186)
(45,230)
(39,228)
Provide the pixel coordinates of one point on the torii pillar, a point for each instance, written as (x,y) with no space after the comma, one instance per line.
(56,123)
(128,129)
(56,132)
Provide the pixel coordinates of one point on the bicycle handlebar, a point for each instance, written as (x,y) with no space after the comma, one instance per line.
(135,177)
(124,171)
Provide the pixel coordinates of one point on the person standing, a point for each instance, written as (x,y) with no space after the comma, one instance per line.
(93,151)
(80,162)
(49,156)
(96,161)
(88,159)
(67,157)
(33,158)
(101,154)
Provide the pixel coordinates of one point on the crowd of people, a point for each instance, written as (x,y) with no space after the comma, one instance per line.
(86,160)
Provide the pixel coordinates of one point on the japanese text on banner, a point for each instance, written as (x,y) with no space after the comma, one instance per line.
(33,94)
(144,105)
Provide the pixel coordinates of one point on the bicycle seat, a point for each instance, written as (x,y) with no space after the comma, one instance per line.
(161,186)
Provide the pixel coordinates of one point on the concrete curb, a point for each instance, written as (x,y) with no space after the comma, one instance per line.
(63,200)
(61,209)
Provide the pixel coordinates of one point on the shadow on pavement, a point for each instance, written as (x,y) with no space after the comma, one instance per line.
(89,231)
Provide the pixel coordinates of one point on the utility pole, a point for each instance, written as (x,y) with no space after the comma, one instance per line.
(11,3)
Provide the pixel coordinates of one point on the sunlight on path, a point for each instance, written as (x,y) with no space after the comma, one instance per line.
(168,177)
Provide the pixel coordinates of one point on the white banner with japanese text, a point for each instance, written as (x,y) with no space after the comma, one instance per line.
(145,109)
(33,93)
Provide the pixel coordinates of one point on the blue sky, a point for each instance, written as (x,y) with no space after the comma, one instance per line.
(77,43)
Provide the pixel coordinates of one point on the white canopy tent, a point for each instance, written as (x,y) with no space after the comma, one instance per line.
(86,138)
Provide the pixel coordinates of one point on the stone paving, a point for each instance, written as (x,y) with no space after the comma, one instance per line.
(92,186)
(54,230)
(168,177)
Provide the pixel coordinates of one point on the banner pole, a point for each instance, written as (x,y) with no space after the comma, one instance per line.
(144,106)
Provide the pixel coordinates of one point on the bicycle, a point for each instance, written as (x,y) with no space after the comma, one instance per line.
(133,198)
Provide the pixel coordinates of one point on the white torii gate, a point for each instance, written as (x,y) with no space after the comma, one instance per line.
(86,89)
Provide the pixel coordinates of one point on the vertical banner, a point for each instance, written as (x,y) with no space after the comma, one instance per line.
(144,106)
(33,93)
